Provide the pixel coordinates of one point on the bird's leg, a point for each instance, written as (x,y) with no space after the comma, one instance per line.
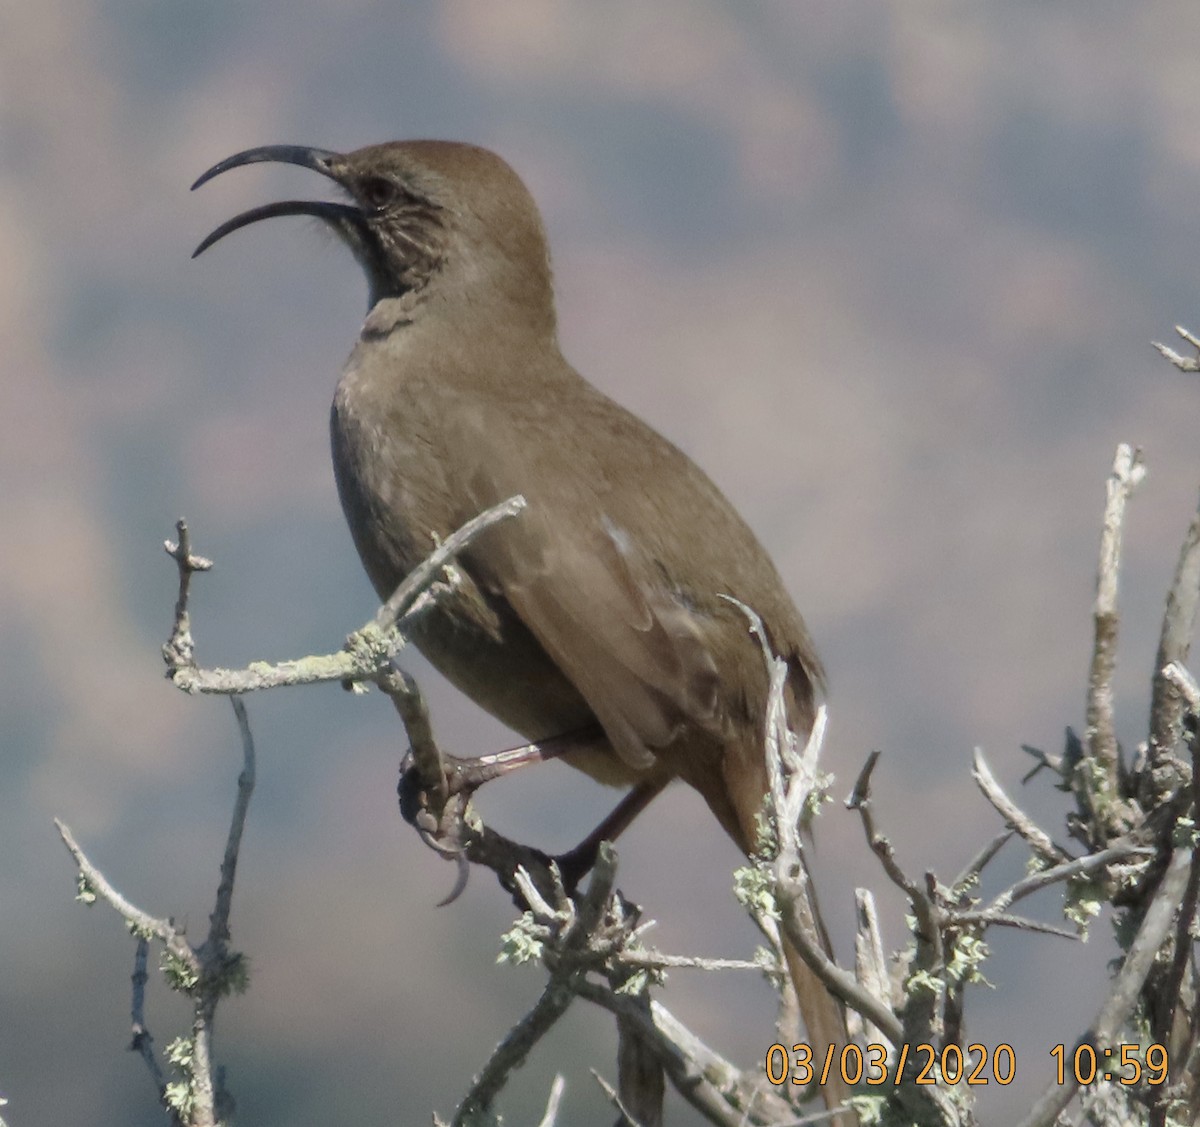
(435,806)
(578,862)
(465,776)
(503,856)
(442,827)
(471,774)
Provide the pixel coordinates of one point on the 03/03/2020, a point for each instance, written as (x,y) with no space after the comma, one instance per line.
(873,1065)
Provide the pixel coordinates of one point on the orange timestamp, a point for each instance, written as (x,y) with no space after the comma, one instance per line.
(874,1065)
(975,1064)
(1126,1064)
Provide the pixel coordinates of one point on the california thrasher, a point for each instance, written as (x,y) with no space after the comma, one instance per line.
(599,608)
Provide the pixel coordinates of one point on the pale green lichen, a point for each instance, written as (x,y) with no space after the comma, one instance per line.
(85,891)
(180,974)
(180,1095)
(522,943)
(1083,902)
(968,954)
(754,888)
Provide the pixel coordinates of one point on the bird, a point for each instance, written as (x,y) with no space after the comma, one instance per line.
(602,613)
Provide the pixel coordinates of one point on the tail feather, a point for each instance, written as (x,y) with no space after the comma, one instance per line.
(737,807)
(824,1018)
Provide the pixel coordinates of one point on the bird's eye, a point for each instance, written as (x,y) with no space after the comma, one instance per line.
(377,192)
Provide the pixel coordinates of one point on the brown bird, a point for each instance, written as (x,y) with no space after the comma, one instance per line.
(598,611)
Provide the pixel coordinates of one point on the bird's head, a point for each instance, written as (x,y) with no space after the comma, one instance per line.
(430,221)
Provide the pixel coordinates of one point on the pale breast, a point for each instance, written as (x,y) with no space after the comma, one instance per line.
(386,479)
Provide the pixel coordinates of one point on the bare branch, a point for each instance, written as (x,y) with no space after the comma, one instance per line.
(139,922)
(557,1088)
(219,920)
(1078,867)
(1179,676)
(178,648)
(971,874)
(659,960)
(204,974)
(627,1119)
(402,600)
(708,1082)
(1155,928)
(368,651)
(555,999)
(570,930)
(1037,839)
(1183,363)
(918,1016)
(860,800)
(870,965)
(143,1042)
(989,917)
(1101,740)
(414,715)
(1178,628)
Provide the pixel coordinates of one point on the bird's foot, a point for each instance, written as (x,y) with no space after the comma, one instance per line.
(440,817)
(440,810)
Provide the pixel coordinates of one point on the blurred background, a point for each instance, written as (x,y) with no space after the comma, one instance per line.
(890,273)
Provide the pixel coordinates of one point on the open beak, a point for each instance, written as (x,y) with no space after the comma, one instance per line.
(343,217)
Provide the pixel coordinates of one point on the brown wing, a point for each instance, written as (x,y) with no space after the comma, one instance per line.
(593,565)
(607,618)
(588,589)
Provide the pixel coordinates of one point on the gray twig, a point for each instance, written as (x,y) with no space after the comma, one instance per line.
(557,1087)
(1036,838)
(918,1020)
(139,922)
(1183,363)
(713,1086)
(569,930)
(555,999)
(974,869)
(870,965)
(398,606)
(1102,784)
(142,1041)
(204,974)
(614,1098)
(219,920)
(368,651)
(989,917)
(1174,643)
(1155,928)
(1078,867)
(179,648)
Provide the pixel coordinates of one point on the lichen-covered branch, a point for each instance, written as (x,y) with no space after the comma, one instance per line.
(1127,473)
(204,974)
(1115,1011)
(1175,639)
(367,653)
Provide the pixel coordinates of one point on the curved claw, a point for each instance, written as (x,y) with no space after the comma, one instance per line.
(430,838)
(460,881)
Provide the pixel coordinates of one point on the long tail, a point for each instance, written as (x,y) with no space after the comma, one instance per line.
(737,802)
(824,1018)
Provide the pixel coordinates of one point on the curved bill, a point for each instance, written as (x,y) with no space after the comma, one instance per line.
(319,160)
(333,213)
